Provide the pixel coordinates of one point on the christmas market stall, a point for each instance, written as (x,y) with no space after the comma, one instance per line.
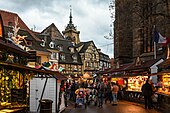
(49,90)
(14,75)
(163,85)
(118,74)
(138,72)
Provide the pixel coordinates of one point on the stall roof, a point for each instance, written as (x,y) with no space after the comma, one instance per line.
(111,70)
(121,68)
(144,65)
(55,74)
(104,71)
(12,47)
(165,64)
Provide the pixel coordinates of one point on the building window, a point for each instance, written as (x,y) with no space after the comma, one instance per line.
(62,56)
(51,44)
(88,64)
(60,47)
(54,55)
(74,68)
(43,43)
(74,58)
(92,64)
(94,56)
(71,49)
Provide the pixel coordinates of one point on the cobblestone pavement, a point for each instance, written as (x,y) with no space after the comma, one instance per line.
(122,107)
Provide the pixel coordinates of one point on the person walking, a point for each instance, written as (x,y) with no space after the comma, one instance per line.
(100,88)
(115,90)
(108,93)
(147,92)
(73,88)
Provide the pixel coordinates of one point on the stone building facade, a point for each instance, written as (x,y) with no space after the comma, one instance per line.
(135,22)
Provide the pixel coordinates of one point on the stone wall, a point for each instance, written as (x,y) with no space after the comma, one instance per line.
(134,27)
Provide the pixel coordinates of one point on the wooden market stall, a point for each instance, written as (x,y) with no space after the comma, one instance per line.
(163,84)
(15,77)
(137,74)
(130,77)
(48,87)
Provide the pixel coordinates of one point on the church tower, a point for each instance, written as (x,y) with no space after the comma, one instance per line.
(71,32)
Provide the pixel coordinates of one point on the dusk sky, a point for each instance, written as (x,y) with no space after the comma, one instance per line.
(92,17)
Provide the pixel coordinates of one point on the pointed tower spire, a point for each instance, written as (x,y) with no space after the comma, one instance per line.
(70,25)
(70,22)
(70,31)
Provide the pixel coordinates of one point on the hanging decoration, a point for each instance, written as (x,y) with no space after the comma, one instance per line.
(10,58)
(14,37)
(50,66)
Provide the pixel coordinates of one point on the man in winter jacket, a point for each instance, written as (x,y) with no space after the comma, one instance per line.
(147,93)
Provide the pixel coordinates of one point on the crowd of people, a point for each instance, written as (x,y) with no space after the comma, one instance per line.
(100,90)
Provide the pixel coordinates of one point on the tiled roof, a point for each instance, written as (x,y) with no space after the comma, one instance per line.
(68,55)
(121,68)
(10,17)
(85,46)
(132,66)
(66,44)
(49,29)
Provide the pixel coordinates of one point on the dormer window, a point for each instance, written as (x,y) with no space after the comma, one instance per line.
(74,58)
(62,56)
(71,49)
(60,47)
(51,44)
(43,43)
